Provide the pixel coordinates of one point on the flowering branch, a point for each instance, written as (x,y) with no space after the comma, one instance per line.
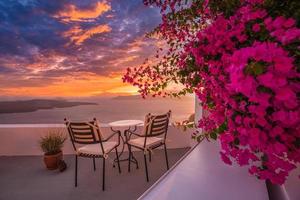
(242,59)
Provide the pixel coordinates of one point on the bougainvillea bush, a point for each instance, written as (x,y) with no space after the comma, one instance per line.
(242,59)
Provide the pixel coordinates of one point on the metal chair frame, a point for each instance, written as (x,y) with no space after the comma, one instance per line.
(148,132)
(93,125)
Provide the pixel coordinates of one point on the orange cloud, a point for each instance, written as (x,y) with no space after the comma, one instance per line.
(140,41)
(137,44)
(78,35)
(72,13)
(121,61)
(50,60)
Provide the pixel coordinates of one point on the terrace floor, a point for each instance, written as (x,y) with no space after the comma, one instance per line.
(25,177)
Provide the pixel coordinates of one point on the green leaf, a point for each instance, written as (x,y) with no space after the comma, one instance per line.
(297,142)
(236,141)
(213,135)
(255,68)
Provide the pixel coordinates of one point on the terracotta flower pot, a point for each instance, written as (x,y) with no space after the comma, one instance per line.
(51,161)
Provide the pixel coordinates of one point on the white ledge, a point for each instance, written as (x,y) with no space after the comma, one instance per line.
(23,139)
(102,125)
(202,175)
(31,125)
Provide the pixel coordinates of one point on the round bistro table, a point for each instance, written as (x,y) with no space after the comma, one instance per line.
(130,126)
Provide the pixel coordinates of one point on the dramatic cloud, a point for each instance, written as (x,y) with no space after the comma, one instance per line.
(78,36)
(53,48)
(71,13)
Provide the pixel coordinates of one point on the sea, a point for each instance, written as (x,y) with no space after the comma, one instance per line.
(107,110)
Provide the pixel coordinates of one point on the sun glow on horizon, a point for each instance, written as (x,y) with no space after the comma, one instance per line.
(83,85)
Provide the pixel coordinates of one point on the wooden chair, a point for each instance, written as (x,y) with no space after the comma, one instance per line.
(92,144)
(153,136)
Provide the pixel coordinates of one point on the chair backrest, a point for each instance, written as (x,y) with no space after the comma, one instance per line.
(84,132)
(156,125)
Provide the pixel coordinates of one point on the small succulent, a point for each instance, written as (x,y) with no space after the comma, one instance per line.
(52,143)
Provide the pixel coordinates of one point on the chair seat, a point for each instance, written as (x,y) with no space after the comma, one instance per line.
(151,141)
(95,149)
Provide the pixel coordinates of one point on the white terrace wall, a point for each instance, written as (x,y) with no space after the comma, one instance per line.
(22,139)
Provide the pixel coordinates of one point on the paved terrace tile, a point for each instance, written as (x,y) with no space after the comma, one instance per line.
(25,177)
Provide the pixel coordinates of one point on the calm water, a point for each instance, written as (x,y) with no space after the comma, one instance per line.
(107,110)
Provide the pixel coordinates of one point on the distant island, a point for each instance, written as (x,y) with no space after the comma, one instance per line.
(37,104)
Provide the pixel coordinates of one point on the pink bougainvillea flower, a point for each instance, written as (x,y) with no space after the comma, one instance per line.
(276,131)
(256,28)
(278,22)
(225,158)
(285,93)
(272,81)
(289,23)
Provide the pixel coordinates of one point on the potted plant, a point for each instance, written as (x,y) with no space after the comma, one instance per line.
(52,144)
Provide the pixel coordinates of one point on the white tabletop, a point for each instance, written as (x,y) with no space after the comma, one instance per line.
(126,123)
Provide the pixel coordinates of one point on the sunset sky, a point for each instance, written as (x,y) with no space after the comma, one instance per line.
(58,48)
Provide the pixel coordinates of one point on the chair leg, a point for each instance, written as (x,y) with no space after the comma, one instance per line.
(166,154)
(150,156)
(129,157)
(76,166)
(118,160)
(103,175)
(94,163)
(146,167)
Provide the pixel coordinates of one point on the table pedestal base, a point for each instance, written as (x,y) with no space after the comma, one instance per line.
(132,158)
